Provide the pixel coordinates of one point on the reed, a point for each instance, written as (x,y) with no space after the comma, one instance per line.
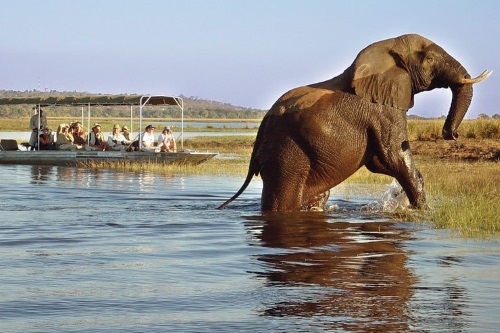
(215,167)
(484,128)
(464,196)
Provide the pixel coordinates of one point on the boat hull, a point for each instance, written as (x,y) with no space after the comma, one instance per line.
(76,158)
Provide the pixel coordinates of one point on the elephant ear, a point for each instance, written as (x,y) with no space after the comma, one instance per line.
(380,75)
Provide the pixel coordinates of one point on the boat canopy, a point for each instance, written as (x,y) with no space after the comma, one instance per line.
(103,100)
(94,100)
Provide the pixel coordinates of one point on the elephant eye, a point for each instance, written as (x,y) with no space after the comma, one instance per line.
(430,59)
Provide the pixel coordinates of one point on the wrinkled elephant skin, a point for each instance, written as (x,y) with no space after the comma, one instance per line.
(316,136)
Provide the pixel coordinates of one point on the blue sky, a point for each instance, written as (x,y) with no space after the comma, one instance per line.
(245,53)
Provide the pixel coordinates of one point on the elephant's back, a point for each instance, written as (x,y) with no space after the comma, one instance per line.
(299,99)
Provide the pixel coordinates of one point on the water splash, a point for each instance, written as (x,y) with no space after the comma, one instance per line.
(394,199)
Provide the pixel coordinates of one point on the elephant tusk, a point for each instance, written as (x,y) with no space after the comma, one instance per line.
(484,75)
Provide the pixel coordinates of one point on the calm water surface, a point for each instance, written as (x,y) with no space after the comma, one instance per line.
(113,251)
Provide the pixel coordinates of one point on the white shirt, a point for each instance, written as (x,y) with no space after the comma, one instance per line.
(165,137)
(148,139)
(120,139)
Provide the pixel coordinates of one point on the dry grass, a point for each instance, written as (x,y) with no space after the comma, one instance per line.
(423,130)
(464,196)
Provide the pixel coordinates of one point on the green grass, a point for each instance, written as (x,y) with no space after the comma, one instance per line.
(464,196)
(474,129)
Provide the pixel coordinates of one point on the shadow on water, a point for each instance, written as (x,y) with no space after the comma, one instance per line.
(354,273)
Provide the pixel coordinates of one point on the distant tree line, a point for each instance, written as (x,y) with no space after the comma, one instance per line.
(194,107)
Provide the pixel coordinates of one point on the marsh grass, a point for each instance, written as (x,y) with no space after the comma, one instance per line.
(464,196)
(234,156)
(215,167)
(423,130)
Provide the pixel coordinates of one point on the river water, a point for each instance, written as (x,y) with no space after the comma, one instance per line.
(113,251)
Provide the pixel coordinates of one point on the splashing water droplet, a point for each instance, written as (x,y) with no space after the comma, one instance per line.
(394,199)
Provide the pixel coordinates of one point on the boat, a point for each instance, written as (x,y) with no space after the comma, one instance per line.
(10,152)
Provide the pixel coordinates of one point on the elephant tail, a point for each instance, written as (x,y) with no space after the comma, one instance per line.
(253,168)
(243,188)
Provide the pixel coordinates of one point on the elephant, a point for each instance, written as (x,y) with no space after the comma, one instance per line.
(316,136)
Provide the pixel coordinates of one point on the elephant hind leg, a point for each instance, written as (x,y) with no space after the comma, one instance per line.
(317,203)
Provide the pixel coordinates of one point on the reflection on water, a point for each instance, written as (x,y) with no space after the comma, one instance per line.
(106,250)
(355,272)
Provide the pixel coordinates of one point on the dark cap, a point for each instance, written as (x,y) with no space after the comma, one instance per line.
(150,127)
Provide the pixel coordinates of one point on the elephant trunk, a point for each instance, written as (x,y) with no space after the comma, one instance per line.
(461,87)
(462,97)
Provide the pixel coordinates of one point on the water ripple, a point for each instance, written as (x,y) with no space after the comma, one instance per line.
(102,250)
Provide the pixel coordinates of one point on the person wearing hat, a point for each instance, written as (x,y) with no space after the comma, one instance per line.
(96,139)
(78,133)
(116,140)
(166,141)
(126,133)
(37,122)
(65,139)
(148,139)
(46,142)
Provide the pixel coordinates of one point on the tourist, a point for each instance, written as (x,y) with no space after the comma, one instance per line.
(64,138)
(46,142)
(78,134)
(36,126)
(116,140)
(126,133)
(166,141)
(148,139)
(96,140)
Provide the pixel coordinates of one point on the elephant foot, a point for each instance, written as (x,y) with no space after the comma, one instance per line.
(317,203)
(420,203)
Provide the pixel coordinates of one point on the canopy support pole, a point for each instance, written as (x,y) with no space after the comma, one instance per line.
(88,122)
(131,117)
(38,129)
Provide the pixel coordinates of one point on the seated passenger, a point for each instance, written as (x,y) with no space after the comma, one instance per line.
(116,140)
(126,133)
(166,141)
(46,140)
(78,133)
(64,138)
(148,139)
(96,140)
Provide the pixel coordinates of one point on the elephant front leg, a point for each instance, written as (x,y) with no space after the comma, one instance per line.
(399,164)
(317,203)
